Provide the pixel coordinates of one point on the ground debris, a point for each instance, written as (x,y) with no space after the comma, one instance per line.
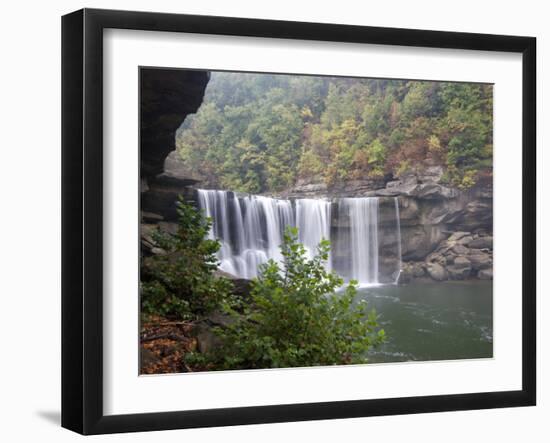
(163,345)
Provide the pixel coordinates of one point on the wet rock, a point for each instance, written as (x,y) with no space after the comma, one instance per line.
(437,257)
(436,271)
(406,275)
(418,270)
(460,249)
(456,236)
(465,240)
(482,243)
(241,286)
(485,274)
(419,241)
(460,269)
(480,260)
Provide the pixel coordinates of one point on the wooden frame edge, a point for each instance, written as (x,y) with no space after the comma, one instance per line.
(82,156)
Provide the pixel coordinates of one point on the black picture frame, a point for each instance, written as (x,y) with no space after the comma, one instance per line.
(82,218)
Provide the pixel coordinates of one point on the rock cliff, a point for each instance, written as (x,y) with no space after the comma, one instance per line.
(446,233)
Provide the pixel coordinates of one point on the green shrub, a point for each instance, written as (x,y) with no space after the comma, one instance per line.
(296,319)
(180,282)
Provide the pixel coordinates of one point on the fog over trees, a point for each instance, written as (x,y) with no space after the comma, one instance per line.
(261,133)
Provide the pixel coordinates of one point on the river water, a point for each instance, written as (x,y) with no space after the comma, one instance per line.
(433,321)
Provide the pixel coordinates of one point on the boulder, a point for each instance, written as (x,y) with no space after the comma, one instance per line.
(419,241)
(485,274)
(207,340)
(220,319)
(241,286)
(433,191)
(482,243)
(437,257)
(418,270)
(431,174)
(460,269)
(455,236)
(148,245)
(480,260)
(406,274)
(404,186)
(460,249)
(465,241)
(169,227)
(436,271)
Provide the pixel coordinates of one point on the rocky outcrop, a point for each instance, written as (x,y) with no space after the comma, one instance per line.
(167,96)
(241,286)
(162,196)
(433,214)
(459,257)
(445,232)
(436,271)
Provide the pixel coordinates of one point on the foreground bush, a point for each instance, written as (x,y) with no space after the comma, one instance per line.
(180,283)
(296,319)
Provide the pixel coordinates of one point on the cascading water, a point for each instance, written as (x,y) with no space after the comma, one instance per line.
(363,220)
(313,222)
(398,231)
(250,229)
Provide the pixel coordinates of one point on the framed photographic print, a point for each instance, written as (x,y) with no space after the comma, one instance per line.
(270,221)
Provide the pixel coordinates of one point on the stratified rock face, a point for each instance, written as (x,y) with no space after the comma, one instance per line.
(167,96)
(445,232)
(161,196)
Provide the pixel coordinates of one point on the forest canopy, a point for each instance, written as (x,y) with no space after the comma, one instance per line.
(261,133)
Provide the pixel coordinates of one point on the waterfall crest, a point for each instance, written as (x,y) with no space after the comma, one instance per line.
(251,227)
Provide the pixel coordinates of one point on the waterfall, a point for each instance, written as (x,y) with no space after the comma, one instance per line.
(363,222)
(250,229)
(398,233)
(313,222)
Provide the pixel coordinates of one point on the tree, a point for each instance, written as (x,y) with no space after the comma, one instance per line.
(296,318)
(263,133)
(180,281)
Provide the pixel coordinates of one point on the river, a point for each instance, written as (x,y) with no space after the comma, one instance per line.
(433,321)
